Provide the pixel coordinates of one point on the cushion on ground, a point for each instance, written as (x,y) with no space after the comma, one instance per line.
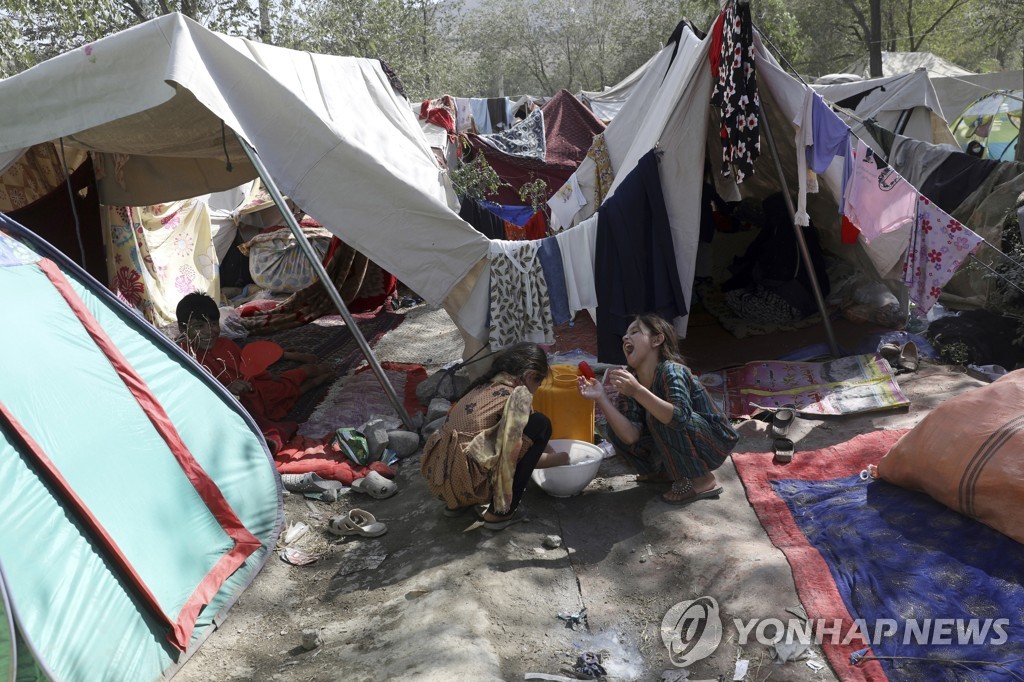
(968,454)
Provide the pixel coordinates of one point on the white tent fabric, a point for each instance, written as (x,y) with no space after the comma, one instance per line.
(895,63)
(905,104)
(670,111)
(159,102)
(606,104)
(956,93)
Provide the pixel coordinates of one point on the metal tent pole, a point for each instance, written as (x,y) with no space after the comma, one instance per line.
(805,254)
(325,279)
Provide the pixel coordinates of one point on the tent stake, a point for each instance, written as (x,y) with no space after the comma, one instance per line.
(325,279)
(805,254)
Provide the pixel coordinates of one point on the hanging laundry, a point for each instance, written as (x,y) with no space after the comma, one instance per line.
(554,275)
(878,199)
(577,246)
(605,176)
(497,112)
(481,116)
(938,247)
(464,116)
(483,220)
(440,112)
(537,226)
(634,259)
(519,215)
(567,201)
(515,233)
(525,140)
(825,136)
(520,306)
(735,93)
(956,178)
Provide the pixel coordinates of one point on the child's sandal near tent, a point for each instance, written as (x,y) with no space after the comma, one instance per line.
(356,522)
(375,485)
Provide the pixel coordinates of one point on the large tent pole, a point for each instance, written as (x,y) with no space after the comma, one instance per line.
(805,254)
(325,279)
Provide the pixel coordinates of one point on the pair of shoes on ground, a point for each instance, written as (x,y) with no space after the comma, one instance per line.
(682,493)
(356,522)
(905,357)
(375,485)
(782,446)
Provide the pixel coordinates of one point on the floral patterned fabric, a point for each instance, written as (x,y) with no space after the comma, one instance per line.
(520,307)
(605,176)
(938,247)
(33,176)
(735,91)
(160,253)
(276,262)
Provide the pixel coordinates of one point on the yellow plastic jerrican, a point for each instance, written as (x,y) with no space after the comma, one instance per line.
(571,415)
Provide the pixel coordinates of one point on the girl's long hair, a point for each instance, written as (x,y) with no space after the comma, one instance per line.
(516,360)
(669,350)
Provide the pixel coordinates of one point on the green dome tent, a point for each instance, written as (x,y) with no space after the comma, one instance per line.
(992,121)
(138,498)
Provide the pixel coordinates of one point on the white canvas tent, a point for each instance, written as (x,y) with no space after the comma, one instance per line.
(606,103)
(956,93)
(906,104)
(161,103)
(172,110)
(670,110)
(896,63)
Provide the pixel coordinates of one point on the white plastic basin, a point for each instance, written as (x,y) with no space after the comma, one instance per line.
(570,479)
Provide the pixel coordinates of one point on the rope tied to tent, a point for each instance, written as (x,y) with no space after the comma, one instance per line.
(450,371)
(224,143)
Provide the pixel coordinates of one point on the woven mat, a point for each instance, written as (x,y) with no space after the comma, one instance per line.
(330,340)
(427,337)
(355,399)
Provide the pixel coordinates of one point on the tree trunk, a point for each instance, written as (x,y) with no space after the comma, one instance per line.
(265,35)
(875,40)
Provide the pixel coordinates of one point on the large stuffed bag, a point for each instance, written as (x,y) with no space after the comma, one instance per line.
(968,454)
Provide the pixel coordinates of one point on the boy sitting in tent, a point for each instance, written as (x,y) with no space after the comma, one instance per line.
(267,396)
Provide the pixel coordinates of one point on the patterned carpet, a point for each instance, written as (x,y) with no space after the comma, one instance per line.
(330,340)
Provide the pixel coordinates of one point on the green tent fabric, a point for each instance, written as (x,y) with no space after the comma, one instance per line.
(135,479)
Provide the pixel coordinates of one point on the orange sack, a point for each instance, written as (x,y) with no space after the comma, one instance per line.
(968,454)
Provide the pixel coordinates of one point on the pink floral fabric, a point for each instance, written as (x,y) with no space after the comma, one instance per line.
(939,245)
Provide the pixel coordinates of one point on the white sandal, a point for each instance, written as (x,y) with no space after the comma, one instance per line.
(375,485)
(356,522)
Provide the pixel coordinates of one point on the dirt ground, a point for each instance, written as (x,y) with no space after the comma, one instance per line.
(439,598)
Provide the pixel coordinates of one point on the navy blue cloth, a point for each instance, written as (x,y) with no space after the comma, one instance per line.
(898,554)
(955,179)
(517,215)
(551,263)
(484,221)
(634,260)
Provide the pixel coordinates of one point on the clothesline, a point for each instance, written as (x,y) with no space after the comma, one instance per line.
(1016,264)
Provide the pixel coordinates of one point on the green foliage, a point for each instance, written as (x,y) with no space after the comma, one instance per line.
(534,193)
(1006,277)
(475,179)
(954,353)
(533,47)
